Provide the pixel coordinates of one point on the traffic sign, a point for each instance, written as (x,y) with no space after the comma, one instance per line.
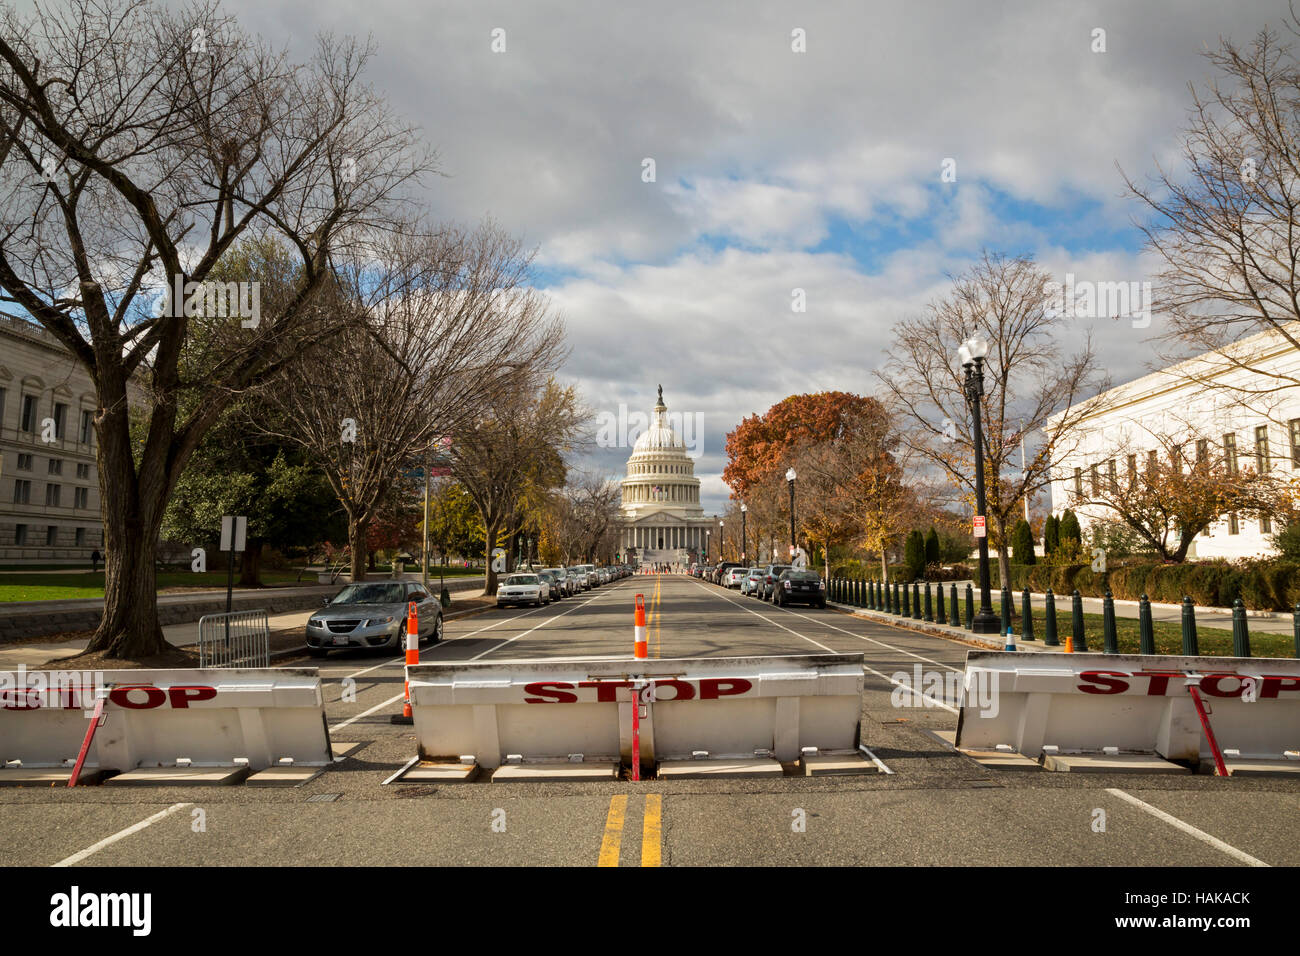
(979,526)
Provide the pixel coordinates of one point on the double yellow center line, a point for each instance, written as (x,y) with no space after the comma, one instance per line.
(651,831)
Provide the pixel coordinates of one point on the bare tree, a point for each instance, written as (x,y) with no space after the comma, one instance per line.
(1224,225)
(138,145)
(584,518)
(446,322)
(1027,378)
(512,456)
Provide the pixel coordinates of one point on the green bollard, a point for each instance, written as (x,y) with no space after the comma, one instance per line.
(1190,646)
(970,608)
(1146,633)
(1077,637)
(916,601)
(907,601)
(1049,620)
(939,614)
(929,605)
(1240,632)
(898,601)
(955,617)
(1026,617)
(1110,640)
(1006,611)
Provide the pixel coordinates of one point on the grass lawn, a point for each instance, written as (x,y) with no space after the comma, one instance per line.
(87,584)
(1214,642)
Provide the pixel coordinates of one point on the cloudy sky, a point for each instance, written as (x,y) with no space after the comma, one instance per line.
(778,170)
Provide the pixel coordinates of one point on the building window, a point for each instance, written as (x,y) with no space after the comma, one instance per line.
(1132,471)
(83,471)
(51,536)
(52,496)
(24,462)
(1233,527)
(1265,524)
(20,534)
(1202,451)
(2,405)
(1094,480)
(1110,474)
(22,492)
(87,427)
(28,421)
(1078,482)
(1230,456)
(1176,458)
(56,466)
(1292,428)
(1153,463)
(81,537)
(81,498)
(60,419)
(1261,449)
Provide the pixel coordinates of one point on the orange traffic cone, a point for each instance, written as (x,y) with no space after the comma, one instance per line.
(412,657)
(639,643)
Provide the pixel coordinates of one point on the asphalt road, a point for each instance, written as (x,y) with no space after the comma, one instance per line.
(937,807)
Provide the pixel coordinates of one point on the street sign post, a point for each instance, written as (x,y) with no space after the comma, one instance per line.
(234,537)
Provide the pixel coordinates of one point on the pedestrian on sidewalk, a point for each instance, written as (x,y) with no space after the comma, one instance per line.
(94,560)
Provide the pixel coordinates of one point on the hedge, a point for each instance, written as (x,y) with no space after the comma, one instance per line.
(1261,585)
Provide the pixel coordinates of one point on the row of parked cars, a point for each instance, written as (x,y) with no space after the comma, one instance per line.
(544,585)
(779,583)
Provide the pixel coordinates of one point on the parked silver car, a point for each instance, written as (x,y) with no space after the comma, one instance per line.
(523,589)
(752,581)
(372,614)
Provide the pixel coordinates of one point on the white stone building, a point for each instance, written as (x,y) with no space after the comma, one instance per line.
(1239,405)
(662,519)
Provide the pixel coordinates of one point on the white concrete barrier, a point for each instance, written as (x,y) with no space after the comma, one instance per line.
(255,717)
(556,709)
(1086,703)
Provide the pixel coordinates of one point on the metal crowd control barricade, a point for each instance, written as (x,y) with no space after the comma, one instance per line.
(237,639)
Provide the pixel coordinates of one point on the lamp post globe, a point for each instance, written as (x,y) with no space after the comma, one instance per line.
(971,355)
(789,478)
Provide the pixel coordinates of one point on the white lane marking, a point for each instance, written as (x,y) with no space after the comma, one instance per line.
(863,637)
(509,640)
(122,834)
(1187,828)
(367,713)
(886,677)
(770,621)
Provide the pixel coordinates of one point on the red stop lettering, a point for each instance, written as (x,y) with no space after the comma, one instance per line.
(181,696)
(682,690)
(1273,684)
(560,694)
(606,690)
(1103,682)
(1210,684)
(713,688)
(153,696)
(1158,681)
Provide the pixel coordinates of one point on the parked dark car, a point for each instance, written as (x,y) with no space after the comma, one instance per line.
(720,571)
(799,587)
(771,573)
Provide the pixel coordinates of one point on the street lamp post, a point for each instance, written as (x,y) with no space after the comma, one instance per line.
(789,478)
(744,533)
(971,354)
(708,535)
(722,541)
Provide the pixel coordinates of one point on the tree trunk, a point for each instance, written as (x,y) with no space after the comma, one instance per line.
(489,575)
(357,528)
(884,567)
(250,566)
(1004,565)
(129,627)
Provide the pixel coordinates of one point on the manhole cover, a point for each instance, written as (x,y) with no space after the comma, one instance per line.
(323,797)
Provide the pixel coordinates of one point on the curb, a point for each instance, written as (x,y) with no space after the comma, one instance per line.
(956,635)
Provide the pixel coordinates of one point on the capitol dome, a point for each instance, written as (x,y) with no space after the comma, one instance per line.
(662,516)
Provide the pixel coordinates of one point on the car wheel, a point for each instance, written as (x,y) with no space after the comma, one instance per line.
(436,637)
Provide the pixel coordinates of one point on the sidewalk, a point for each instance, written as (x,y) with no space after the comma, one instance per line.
(986,641)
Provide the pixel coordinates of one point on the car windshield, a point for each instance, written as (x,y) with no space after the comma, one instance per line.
(371,594)
(754,572)
(803,576)
(522,579)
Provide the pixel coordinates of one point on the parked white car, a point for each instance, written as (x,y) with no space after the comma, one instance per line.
(752,581)
(734,577)
(522,589)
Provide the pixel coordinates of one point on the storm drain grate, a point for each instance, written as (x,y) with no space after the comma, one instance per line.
(323,797)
